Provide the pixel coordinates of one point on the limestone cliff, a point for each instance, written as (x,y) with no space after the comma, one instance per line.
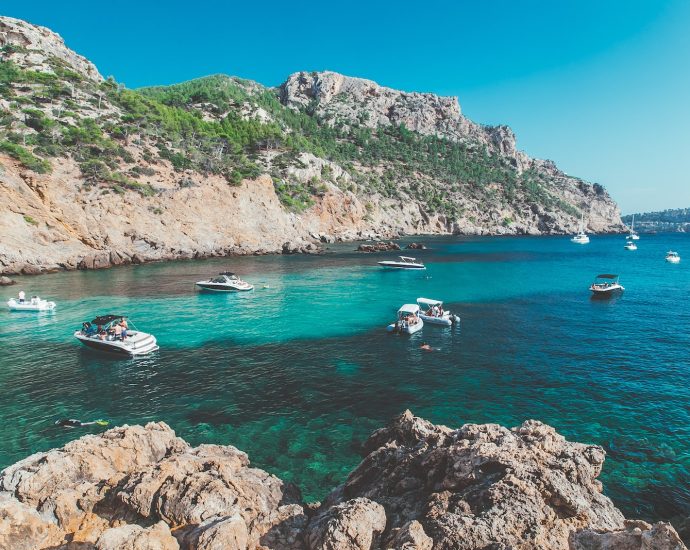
(419,487)
(93,174)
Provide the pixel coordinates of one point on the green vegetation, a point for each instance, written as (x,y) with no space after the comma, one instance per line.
(229,127)
(30,220)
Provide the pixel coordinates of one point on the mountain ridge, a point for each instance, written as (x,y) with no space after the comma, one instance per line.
(96,174)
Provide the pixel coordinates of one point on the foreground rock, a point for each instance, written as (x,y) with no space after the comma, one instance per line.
(420,487)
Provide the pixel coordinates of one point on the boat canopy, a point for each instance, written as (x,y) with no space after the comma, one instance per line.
(408,259)
(409,308)
(103,320)
(429,302)
(607,276)
(228,273)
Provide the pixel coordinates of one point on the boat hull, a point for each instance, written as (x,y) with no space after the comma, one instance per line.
(673,260)
(16,305)
(137,343)
(210,287)
(445,321)
(393,265)
(409,329)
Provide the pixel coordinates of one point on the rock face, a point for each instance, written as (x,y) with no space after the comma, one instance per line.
(420,487)
(379,246)
(147,208)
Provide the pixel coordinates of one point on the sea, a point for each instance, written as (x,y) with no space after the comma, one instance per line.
(298,372)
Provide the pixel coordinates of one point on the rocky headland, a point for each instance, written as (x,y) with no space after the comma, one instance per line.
(419,487)
(93,174)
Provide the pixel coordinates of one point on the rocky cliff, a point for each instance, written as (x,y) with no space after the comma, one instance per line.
(93,174)
(419,487)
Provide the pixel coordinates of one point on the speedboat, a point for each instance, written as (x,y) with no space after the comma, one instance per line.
(630,245)
(34,304)
(431,311)
(102,334)
(405,262)
(225,282)
(672,257)
(408,321)
(606,284)
(581,237)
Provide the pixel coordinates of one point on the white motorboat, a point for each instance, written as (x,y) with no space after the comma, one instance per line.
(630,245)
(632,235)
(431,311)
(408,321)
(405,262)
(606,284)
(672,257)
(34,304)
(107,333)
(225,282)
(581,237)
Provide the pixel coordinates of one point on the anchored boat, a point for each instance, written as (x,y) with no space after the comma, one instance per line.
(225,282)
(34,304)
(672,257)
(431,311)
(408,321)
(111,333)
(630,245)
(581,237)
(405,262)
(606,284)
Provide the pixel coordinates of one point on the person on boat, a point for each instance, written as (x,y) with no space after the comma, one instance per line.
(22,296)
(125,327)
(117,332)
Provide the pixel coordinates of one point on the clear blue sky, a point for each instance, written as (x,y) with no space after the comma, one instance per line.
(599,86)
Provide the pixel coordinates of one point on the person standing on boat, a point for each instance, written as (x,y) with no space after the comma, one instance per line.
(124,326)
(117,332)
(22,296)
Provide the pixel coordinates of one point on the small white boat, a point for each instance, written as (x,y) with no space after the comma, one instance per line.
(630,245)
(581,237)
(225,282)
(405,262)
(606,284)
(408,321)
(672,257)
(34,304)
(431,311)
(103,334)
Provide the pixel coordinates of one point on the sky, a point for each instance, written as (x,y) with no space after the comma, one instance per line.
(599,86)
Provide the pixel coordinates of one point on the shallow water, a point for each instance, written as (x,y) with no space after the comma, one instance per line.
(300,371)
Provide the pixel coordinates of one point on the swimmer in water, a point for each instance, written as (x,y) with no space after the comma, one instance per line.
(426,347)
(72,423)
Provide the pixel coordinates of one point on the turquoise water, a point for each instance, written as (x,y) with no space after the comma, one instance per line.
(300,371)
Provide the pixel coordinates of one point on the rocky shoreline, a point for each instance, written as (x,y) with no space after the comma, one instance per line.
(419,487)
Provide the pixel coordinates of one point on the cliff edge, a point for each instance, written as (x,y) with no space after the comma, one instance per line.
(419,486)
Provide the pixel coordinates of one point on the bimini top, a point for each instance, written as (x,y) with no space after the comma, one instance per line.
(429,302)
(228,273)
(409,308)
(103,320)
(607,276)
(407,259)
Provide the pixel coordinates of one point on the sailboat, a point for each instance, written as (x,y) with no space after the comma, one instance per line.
(581,237)
(634,236)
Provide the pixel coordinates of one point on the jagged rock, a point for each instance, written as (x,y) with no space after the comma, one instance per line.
(353,525)
(135,537)
(411,536)
(636,535)
(419,487)
(416,246)
(379,246)
(6,281)
(484,484)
